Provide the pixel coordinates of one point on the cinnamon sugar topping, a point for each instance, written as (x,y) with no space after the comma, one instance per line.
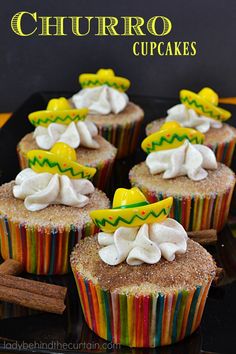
(53,215)
(194,268)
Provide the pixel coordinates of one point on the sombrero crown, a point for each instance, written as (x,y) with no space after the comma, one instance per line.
(130,209)
(60,159)
(170,136)
(205,103)
(58,111)
(104,77)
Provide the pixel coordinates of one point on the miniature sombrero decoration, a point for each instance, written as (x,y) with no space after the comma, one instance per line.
(170,136)
(205,103)
(60,159)
(104,77)
(131,209)
(58,111)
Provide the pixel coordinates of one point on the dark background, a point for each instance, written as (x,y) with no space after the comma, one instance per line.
(30,64)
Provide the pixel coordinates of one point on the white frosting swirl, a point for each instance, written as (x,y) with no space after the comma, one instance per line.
(146,244)
(190,160)
(38,190)
(75,134)
(101,100)
(190,119)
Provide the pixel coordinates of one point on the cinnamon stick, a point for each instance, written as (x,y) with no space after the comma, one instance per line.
(204,237)
(11,267)
(33,287)
(32,300)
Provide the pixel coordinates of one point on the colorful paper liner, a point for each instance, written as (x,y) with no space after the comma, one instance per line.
(8,310)
(138,320)
(223,151)
(101,178)
(123,137)
(195,212)
(42,250)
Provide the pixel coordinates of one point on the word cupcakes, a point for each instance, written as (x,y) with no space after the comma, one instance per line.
(201,112)
(62,123)
(45,211)
(141,281)
(178,165)
(117,119)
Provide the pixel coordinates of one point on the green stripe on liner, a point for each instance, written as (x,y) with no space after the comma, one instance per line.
(124,333)
(132,205)
(72,238)
(175,318)
(103,222)
(171,140)
(105,295)
(53,237)
(181,312)
(159,317)
(177,202)
(8,236)
(40,121)
(200,106)
(33,267)
(192,311)
(225,152)
(191,213)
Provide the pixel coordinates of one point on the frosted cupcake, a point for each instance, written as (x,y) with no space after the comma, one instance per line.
(45,211)
(179,166)
(117,119)
(141,281)
(61,123)
(201,112)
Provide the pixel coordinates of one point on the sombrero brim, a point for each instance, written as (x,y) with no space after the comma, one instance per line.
(45,161)
(93,80)
(108,220)
(203,107)
(44,118)
(171,138)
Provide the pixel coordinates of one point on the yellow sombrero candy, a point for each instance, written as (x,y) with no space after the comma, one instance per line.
(58,111)
(130,209)
(205,103)
(104,77)
(60,159)
(170,136)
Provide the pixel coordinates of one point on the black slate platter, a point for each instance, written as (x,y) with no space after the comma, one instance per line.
(24,330)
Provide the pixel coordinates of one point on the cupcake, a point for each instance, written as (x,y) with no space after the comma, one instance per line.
(61,123)
(178,165)
(201,112)
(141,281)
(117,119)
(45,211)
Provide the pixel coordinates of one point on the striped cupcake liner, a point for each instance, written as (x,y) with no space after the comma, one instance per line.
(123,137)
(42,250)
(8,310)
(138,320)
(224,151)
(195,212)
(101,178)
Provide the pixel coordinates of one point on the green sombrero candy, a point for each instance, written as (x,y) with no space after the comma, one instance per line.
(60,159)
(204,103)
(171,135)
(131,209)
(58,111)
(104,77)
